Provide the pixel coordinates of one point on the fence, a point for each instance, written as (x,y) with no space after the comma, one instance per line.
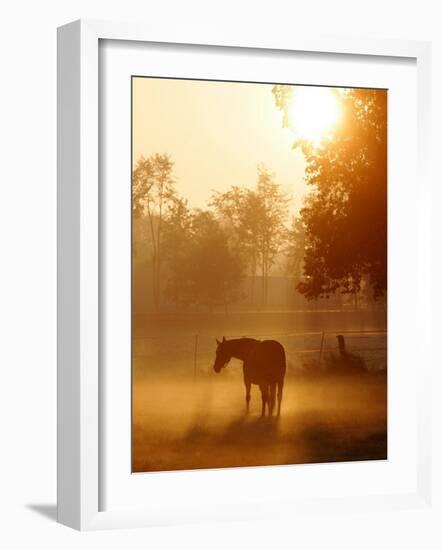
(196,352)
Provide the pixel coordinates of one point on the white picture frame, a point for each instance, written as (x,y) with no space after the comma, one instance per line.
(79,323)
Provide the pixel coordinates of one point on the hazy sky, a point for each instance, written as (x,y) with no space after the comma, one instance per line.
(216,133)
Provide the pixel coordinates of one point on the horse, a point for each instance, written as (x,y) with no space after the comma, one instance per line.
(264,364)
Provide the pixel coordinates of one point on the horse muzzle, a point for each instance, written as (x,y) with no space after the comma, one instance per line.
(218,368)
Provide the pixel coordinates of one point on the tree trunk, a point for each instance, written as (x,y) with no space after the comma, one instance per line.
(252,283)
(154,260)
(263,282)
(158,266)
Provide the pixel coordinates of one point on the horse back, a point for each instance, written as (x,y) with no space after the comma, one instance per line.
(267,361)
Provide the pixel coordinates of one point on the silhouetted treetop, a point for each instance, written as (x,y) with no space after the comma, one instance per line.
(153,192)
(257,220)
(345,214)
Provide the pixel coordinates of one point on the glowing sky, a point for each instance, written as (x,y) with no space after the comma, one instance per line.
(216,133)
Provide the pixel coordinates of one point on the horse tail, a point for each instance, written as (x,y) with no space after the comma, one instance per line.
(284,363)
(280,382)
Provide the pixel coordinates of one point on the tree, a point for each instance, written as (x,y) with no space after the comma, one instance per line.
(271,213)
(177,245)
(295,250)
(345,214)
(257,218)
(152,194)
(237,209)
(203,271)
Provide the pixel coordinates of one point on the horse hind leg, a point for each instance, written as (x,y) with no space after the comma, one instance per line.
(265,397)
(272,398)
(280,386)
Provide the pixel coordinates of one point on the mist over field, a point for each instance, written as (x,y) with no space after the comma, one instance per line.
(186,416)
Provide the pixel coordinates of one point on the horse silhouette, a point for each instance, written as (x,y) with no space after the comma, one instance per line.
(264,364)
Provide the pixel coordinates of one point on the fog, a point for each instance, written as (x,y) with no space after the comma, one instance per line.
(186,416)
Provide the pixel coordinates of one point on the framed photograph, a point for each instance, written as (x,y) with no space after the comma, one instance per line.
(243,272)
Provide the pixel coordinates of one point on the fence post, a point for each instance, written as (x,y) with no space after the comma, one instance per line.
(322,346)
(195,354)
(341,344)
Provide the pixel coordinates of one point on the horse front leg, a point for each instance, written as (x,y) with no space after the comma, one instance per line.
(272,397)
(248,386)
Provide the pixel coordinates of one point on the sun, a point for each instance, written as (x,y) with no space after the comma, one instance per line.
(313,112)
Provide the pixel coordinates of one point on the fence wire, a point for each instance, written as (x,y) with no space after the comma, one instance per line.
(196,352)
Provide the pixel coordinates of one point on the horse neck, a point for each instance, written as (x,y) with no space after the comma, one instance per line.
(239,348)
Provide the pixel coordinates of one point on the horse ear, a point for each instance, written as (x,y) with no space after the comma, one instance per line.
(224,338)
(217,341)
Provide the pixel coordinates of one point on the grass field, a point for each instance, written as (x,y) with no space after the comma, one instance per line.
(186,424)
(186,416)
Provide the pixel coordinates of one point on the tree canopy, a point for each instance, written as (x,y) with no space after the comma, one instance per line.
(257,218)
(345,214)
(203,270)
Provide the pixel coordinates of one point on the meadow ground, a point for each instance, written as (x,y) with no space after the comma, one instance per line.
(185,416)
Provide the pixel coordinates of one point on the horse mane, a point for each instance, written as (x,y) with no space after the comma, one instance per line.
(241,347)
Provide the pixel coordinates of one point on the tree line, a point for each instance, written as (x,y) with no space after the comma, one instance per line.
(338,241)
(203,256)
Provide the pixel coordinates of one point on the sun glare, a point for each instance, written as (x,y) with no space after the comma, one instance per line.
(313,112)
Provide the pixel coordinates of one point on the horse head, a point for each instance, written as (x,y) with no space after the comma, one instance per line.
(223,355)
